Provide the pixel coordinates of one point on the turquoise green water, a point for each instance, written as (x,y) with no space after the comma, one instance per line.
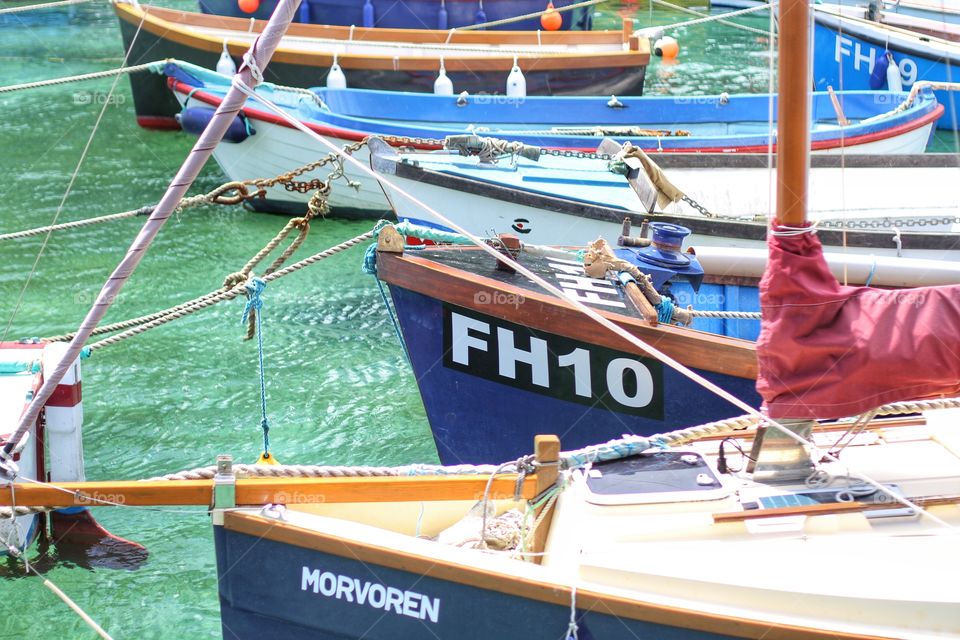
(339,390)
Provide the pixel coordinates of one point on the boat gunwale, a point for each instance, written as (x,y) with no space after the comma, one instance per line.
(915,120)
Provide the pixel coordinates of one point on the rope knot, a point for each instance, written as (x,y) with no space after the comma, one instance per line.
(254,288)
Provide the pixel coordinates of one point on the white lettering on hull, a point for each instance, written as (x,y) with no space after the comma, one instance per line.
(377,596)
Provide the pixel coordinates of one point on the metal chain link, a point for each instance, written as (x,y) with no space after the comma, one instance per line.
(887,223)
(699,207)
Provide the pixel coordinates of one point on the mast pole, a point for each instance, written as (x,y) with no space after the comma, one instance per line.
(250,74)
(793,112)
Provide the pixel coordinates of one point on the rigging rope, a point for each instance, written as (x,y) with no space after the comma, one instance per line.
(142,211)
(253,310)
(86,76)
(42,5)
(73,177)
(722,18)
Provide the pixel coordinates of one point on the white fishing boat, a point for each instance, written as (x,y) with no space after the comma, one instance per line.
(271,138)
(883,205)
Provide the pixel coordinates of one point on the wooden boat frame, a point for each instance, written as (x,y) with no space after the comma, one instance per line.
(175,26)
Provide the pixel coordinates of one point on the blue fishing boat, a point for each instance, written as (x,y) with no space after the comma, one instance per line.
(697,124)
(498,362)
(850,53)
(410,14)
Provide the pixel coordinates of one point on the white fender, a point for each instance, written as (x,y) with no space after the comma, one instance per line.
(894,79)
(64,419)
(225,64)
(336,79)
(443,85)
(516,83)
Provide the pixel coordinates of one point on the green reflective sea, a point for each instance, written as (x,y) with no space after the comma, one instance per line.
(339,389)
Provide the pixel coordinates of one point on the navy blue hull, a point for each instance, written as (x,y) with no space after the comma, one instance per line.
(478,415)
(410,14)
(266,594)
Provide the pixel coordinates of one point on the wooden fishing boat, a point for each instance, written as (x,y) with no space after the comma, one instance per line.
(642,547)
(898,205)
(497,362)
(849,52)
(575,124)
(553,63)
(413,14)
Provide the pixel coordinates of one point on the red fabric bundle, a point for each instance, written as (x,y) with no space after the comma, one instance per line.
(829,351)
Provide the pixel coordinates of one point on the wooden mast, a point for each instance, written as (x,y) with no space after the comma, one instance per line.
(793,112)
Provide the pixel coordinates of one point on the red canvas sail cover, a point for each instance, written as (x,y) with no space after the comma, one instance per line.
(829,351)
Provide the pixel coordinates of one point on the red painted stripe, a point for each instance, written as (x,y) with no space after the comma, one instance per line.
(22,345)
(65,395)
(165,123)
(346,134)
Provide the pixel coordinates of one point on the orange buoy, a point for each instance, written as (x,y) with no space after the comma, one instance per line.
(666,47)
(248,6)
(551,20)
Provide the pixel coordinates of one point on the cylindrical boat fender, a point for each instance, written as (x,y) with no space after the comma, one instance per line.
(878,77)
(443,85)
(225,64)
(336,78)
(481,16)
(894,79)
(195,119)
(442,19)
(368,14)
(516,83)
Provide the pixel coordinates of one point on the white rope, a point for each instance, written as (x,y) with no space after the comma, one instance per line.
(721,18)
(728,315)
(142,211)
(85,76)
(785,231)
(43,5)
(73,179)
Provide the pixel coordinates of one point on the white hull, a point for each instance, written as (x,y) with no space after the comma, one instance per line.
(478,214)
(275,150)
(14,390)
